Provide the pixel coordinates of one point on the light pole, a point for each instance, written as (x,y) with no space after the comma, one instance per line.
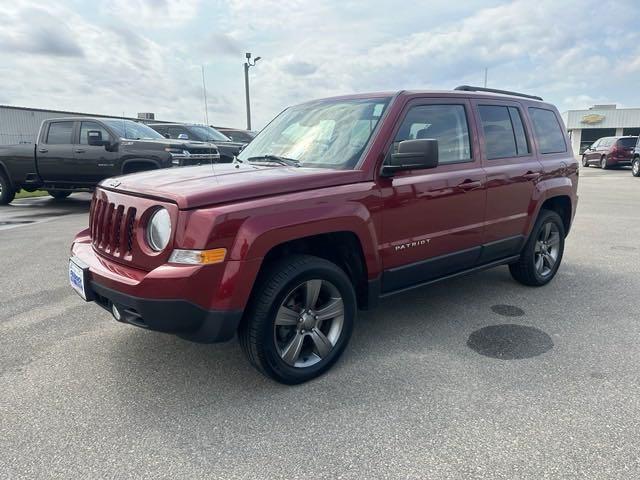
(247,65)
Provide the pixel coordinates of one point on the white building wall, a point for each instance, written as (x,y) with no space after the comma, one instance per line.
(575,140)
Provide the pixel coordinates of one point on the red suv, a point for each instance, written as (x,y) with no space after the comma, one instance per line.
(335,204)
(610,152)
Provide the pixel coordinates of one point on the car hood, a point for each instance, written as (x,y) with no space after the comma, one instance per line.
(192,187)
(167,142)
(230,144)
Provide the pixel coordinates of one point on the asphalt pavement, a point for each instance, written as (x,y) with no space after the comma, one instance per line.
(425,389)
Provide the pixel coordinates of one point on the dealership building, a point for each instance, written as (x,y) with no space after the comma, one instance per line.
(587,126)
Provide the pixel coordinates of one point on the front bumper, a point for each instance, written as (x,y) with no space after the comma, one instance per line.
(178,317)
(179,300)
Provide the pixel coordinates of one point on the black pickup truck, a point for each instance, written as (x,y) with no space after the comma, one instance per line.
(74,154)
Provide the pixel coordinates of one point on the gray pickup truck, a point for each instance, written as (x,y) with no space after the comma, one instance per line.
(75,154)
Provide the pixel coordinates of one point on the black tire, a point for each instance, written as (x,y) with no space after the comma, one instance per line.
(585,162)
(603,163)
(635,167)
(257,333)
(7,192)
(525,270)
(58,194)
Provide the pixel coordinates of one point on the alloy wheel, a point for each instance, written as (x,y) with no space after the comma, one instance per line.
(547,249)
(309,323)
(636,168)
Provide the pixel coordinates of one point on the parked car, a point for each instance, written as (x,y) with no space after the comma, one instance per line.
(635,163)
(237,134)
(203,133)
(334,205)
(610,152)
(74,154)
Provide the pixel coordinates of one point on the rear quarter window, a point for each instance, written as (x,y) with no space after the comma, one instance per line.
(627,142)
(547,130)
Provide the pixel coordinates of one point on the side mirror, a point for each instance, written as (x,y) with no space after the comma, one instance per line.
(94,138)
(183,136)
(166,135)
(413,155)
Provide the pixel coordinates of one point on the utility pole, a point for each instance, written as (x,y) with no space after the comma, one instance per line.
(204,89)
(247,65)
(485,76)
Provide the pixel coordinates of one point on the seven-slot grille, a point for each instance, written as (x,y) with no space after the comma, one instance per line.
(112,228)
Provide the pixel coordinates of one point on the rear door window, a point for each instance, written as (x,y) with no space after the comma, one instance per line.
(60,133)
(504,133)
(547,130)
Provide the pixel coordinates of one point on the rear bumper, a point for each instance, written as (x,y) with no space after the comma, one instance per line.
(178,317)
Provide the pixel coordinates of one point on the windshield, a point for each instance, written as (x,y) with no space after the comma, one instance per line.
(325,134)
(208,134)
(132,130)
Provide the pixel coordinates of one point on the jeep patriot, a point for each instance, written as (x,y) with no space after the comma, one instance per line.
(335,204)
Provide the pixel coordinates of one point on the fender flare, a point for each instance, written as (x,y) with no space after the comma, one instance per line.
(258,235)
(547,189)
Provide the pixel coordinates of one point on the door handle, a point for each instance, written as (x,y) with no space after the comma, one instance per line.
(80,150)
(469,184)
(531,175)
(43,150)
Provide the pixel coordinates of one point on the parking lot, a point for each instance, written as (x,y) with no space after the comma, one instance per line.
(84,396)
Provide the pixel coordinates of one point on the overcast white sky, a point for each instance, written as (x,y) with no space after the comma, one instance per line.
(129,56)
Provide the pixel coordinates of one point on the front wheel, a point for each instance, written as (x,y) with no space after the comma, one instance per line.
(542,254)
(7,193)
(585,162)
(301,319)
(58,194)
(635,167)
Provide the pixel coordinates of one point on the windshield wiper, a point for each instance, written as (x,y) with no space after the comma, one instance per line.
(290,162)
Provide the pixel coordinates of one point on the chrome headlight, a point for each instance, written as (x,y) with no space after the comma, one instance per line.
(159,230)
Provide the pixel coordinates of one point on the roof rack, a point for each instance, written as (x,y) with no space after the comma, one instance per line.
(468,88)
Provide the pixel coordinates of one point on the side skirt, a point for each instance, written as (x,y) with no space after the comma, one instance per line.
(374,285)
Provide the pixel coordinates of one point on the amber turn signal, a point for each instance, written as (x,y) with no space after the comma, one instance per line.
(198,257)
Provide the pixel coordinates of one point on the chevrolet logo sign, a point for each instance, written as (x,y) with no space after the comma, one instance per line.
(592,118)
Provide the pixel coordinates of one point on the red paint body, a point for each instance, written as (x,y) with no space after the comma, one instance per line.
(249,210)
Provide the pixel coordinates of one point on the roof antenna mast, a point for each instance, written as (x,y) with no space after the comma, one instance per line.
(204,90)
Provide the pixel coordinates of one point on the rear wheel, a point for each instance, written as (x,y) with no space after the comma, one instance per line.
(585,162)
(603,163)
(542,254)
(58,194)
(301,319)
(635,167)
(7,192)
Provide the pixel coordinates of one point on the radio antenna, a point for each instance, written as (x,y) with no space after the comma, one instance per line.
(204,90)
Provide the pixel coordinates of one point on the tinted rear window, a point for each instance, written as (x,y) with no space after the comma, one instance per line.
(504,133)
(627,142)
(60,133)
(547,130)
